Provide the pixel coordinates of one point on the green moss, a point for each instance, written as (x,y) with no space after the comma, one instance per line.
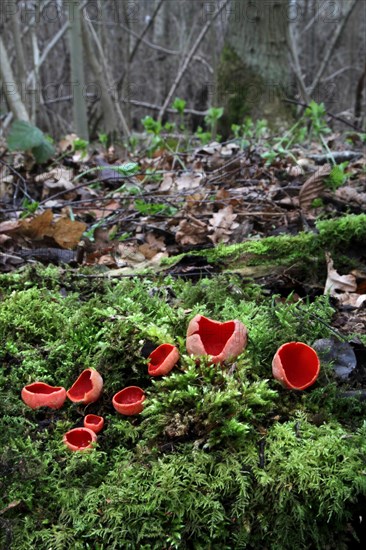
(221,457)
(304,253)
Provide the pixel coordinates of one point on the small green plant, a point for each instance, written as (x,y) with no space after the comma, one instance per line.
(204,137)
(29,207)
(151,209)
(317,203)
(128,169)
(103,140)
(316,114)
(23,136)
(180,104)
(213,115)
(311,125)
(152,126)
(80,145)
(155,128)
(337,176)
(249,131)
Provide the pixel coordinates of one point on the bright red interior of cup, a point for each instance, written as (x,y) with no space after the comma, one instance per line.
(93,419)
(128,396)
(79,437)
(158,356)
(299,362)
(82,386)
(41,388)
(214,335)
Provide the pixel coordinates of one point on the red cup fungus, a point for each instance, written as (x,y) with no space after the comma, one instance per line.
(87,387)
(79,439)
(129,401)
(162,360)
(40,394)
(94,422)
(296,365)
(220,341)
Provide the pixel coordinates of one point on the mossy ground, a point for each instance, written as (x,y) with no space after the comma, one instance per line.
(220,457)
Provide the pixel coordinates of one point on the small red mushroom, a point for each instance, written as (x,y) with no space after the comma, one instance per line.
(87,387)
(296,365)
(129,401)
(40,394)
(94,422)
(220,341)
(162,360)
(79,439)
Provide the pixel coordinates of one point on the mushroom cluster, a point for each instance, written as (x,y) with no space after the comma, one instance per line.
(295,365)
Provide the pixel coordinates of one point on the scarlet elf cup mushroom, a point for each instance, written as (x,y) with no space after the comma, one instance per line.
(220,341)
(87,388)
(129,401)
(162,360)
(79,439)
(94,422)
(296,365)
(40,394)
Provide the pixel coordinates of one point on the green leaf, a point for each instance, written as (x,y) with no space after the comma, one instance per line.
(127,169)
(24,136)
(43,152)
(179,104)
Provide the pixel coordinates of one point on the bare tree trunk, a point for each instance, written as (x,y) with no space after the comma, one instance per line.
(350,6)
(12,94)
(254,72)
(189,57)
(109,117)
(17,37)
(77,70)
(109,83)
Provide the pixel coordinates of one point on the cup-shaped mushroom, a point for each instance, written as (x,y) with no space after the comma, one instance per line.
(40,394)
(87,387)
(296,365)
(162,360)
(220,341)
(80,439)
(94,422)
(129,401)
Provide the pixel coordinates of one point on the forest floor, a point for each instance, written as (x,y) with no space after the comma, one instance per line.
(106,254)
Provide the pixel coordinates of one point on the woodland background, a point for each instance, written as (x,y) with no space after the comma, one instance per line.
(124,60)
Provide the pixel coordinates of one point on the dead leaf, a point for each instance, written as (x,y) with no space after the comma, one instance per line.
(65,232)
(313,187)
(191,231)
(58,179)
(209,149)
(188,181)
(67,143)
(229,150)
(37,227)
(336,283)
(167,182)
(350,194)
(107,260)
(342,287)
(222,223)
(9,226)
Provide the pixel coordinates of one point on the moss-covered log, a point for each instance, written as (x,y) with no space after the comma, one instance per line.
(221,456)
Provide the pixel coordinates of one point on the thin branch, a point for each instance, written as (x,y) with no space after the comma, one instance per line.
(336,35)
(296,64)
(120,114)
(147,27)
(188,59)
(294,102)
